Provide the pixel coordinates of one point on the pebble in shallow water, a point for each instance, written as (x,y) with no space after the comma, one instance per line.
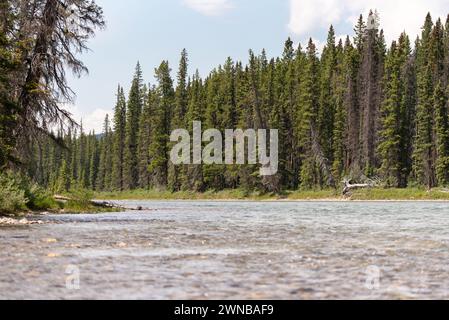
(17,222)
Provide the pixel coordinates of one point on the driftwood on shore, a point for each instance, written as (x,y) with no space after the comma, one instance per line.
(61,198)
(102,204)
(348,186)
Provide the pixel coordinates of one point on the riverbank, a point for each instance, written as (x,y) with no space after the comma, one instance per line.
(83,204)
(374,194)
(20,196)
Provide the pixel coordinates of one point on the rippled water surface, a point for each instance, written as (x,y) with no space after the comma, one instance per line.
(233,250)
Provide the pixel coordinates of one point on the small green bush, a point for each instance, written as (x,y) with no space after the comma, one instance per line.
(12,195)
(19,193)
(40,199)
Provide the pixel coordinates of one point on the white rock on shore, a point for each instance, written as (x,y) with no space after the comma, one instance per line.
(17,222)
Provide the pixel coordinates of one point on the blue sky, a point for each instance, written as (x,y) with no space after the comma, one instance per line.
(211,30)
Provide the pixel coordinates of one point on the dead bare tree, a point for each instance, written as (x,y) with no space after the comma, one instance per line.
(370,93)
(54,35)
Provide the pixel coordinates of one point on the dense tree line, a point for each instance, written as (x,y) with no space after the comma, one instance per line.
(360,109)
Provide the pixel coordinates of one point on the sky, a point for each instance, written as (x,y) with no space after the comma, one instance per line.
(150,31)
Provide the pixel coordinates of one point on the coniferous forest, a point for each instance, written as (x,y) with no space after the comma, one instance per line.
(361,108)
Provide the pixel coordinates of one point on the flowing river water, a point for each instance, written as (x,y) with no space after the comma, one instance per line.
(233,250)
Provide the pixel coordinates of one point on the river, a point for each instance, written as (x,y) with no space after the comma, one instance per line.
(233,250)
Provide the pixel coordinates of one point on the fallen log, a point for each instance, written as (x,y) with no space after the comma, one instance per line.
(61,198)
(349,187)
(111,205)
(103,204)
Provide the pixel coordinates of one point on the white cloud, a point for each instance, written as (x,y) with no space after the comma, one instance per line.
(91,121)
(309,16)
(209,7)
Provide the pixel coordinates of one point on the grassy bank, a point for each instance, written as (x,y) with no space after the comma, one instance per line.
(81,202)
(19,196)
(359,195)
(236,194)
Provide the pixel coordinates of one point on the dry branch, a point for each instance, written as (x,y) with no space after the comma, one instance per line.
(348,186)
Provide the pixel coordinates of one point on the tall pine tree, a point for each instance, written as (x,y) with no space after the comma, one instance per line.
(135,102)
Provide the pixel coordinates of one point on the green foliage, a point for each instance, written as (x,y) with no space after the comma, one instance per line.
(80,198)
(389,148)
(117,180)
(81,202)
(12,196)
(145,134)
(18,193)
(430,72)
(104,179)
(161,126)
(8,108)
(308,107)
(40,199)
(442,132)
(355,110)
(374,194)
(135,104)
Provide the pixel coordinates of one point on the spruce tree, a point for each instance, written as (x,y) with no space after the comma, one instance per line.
(360,34)
(273,111)
(244,110)
(424,166)
(117,178)
(442,135)
(63,184)
(408,108)
(94,158)
(328,96)
(423,155)
(446,53)
(288,100)
(81,159)
(74,160)
(352,107)
(164,98)
(213,174)
(105,161)
(195,112)
(135,101)
(177,174)
(340,132)
(389,149)
(8,109)
(309,97)
(229,119)
(144,140)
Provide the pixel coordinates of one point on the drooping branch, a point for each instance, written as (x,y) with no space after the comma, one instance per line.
(56,33)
